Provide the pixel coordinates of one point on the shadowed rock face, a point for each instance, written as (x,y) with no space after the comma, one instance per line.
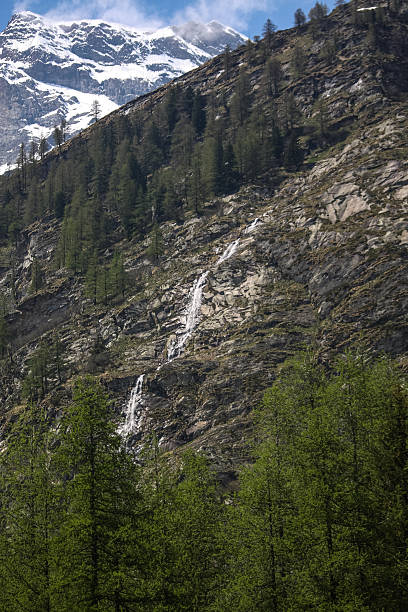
(301,277)
(45,67)
(325,265)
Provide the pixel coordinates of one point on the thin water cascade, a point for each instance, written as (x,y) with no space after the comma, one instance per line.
(133,409)
(192,319)
(252,226)
(229,252)
(176,347)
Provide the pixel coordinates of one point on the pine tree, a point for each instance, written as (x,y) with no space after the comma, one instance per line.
(28,514)
(186,565)
(300,18)
(58,137)
(321,121)
(153,149)
(298,60)
(36,382)
(117,276)
(250,52)
(195,183)
(155,248)
(317,15)
(293,153)
(32,209)
(37,276)
(4,336)
(91,277)
(43,147)
(329,51)
(22,169)
(213,164)
(267,33)
(63,128)
(320,521)
(98,490)
(240,103)
(95,110)
(59,204)
(170,108)
(126,181)
(198,115)
(318,12)
(273,76)
(182,144)
(227,61)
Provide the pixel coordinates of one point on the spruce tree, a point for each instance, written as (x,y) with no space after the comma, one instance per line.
(187,555)
(273,76)
(267,33)
(28,516)
(298,60)
(198,115)
(37,276)
(300,18)
(4,336)
(227,61)
(98,493)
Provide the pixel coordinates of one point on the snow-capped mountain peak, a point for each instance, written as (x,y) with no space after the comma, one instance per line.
(50,70)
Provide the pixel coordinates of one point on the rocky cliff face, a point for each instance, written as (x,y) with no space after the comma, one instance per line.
(318,259)
(50,71)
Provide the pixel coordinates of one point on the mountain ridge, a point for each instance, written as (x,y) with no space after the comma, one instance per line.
(325,265)
(53,71)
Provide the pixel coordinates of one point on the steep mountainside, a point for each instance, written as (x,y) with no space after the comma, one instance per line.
(309,251)
(50,71)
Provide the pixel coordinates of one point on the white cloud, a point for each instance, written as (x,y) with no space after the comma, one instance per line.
(116,11)
(135,13)
(234,13)
(23,5)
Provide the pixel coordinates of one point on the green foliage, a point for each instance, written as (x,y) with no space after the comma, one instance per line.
(37,276)
(293,153)
(267,33)
(299,17)
(313,521)
(169,155)
(104,282)
(145,168)
(198,115)
(320,521)
(298,60)
(4,336)
(27,516)
(185,531)
(155,248)
(321,121)
(318,12)
(99,504)
(329,51)
(240,102)
(227,61)
(273,76)
(45,365)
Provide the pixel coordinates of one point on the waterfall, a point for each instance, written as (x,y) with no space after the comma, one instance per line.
(192,319)
(252,226)
(229,251)
(133,409)
(194,307)
(176,347)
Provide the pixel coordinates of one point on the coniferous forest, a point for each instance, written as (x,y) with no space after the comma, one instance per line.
(316,516)
(319,520)
(183,146)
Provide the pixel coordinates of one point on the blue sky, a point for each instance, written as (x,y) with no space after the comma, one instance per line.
(247,16)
